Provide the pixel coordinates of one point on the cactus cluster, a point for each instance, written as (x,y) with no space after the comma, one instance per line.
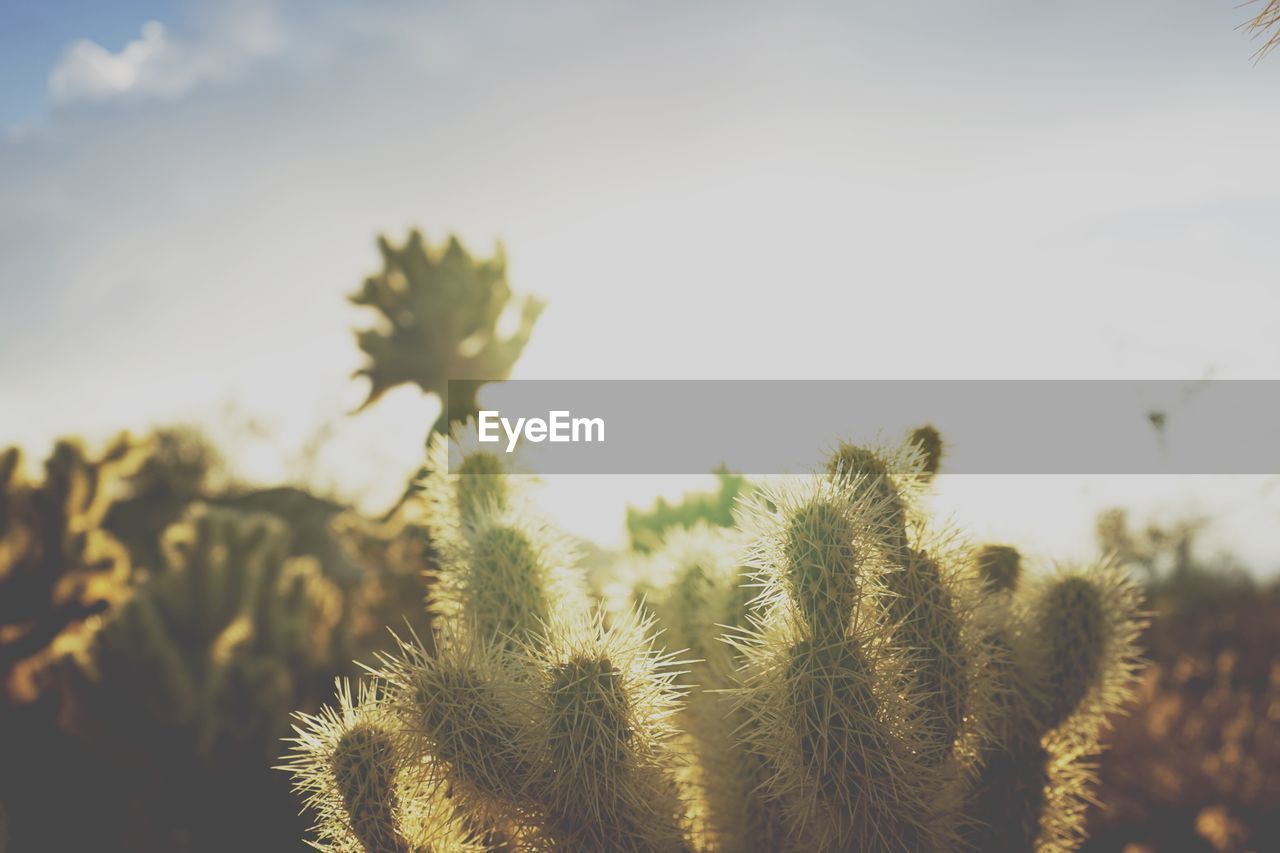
(58,566)
(154,627)
(440,312)
(211,648)
(833,673)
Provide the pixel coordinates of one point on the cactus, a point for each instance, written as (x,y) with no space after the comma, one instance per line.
(602,723)
(999,567)
(824,686)
(835,674)
(215,646)
(366,798)
(58,567)
(927,441)
(1070,662)
(440,311)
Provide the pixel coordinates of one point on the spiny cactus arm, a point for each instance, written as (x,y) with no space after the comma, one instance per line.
(834,732)
(519,578)
(931,600)
(366,796)
(1007,799)
(869,476)
(604,724)
(1071,663)
(824,697)
(515,579)
(503,571)
(465,712)
(928,594)
(814,548)
(1084,626)
(459,484)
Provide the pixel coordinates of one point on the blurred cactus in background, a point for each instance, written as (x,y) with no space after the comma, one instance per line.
(648,527)
(58,567)
(183,655)
(211,649)
(441,310)
(1192,762)
(829,674)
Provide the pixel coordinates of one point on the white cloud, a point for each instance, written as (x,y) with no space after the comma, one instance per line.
(220,45)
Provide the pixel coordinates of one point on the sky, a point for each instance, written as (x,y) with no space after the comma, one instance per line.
(989,189)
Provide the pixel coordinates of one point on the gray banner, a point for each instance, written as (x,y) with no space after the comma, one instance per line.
(990,427)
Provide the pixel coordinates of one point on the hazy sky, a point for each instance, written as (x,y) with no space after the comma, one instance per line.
(874,189)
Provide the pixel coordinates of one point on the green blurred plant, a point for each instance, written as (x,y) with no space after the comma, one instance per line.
(647,528)
(857,681)
(441,310)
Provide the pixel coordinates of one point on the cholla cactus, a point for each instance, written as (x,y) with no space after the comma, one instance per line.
(826,688)
(999,567)
(834,675)
(216,645)
(1070,662)
(58,567)
(365,796)
(602,725)
(440,322)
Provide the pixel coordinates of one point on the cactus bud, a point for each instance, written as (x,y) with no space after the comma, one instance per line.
(927,442)
(347,763)
(999,567)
